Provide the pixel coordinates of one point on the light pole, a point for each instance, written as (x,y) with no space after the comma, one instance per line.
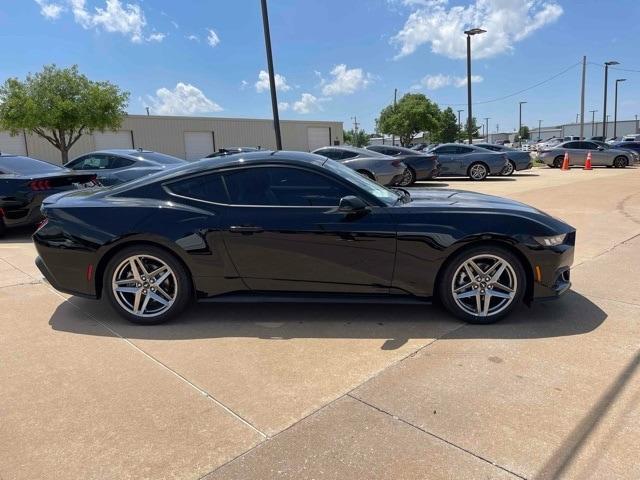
(604,111)
(593,122)
(272,80)
(469,33)
(539,128)
(520,124)
(486,119)
(459,125)
(615,107)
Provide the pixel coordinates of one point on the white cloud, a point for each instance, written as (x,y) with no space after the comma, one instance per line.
(50,10)
(156,37)
(212,38)
(184,99)
(307,104)
(193,38)
(243,84)
(435,82)
(506,21)
(262,85)
(283,106)
(345,81)
(175,24)
(115,17)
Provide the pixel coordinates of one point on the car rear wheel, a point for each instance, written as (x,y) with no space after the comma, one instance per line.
(620,162)
(482,284)
(408,177)
(508,169)
(147,285)
(478,171)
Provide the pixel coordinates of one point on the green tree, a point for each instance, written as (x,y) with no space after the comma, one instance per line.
(360,139)
(449,130)
(413,113)
(525,134)
(60,105)
(475,130)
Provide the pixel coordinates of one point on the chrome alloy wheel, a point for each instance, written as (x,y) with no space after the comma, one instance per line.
(478,172)
(508,169)
(144,286)
(484,285)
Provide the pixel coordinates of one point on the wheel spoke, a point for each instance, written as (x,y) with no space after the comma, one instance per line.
(501,294)
(496,276)
(162,277)
(503,287)
(487,304)
(127,289)
(126,281)
(162,292)
(158,299)
(147,297)
(478,304)
(475,267)
(469,294)
(463,287)
(136,302)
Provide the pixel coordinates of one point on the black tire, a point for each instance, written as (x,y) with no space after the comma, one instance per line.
(409,178)
(620,162)
(477,166)
(367,174)
(453,268)
(180,279)
(508,171)
(557,162)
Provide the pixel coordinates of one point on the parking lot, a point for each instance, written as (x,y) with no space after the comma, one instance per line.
(339,391)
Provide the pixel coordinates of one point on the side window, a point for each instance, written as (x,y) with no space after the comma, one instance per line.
(120,162)
(446,150)
(332,154)
(283,186)
(463,150)
(205,187)
(572,145)
(346,155)
(93,162)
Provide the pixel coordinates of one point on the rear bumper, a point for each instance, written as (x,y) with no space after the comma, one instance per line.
(54,282)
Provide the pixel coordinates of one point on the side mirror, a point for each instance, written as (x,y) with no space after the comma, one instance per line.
(351,204)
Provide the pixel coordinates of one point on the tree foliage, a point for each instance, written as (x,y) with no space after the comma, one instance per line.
(524,133)
(449,130)
(475,129)
(60,105)
(413,113)
(360,139)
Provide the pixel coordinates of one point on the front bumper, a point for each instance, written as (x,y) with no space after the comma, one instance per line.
(552,269)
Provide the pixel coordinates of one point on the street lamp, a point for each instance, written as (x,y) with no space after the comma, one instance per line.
(469,33)
(615,108)
(604,112)
(593,121)
(486,119)
(459,124)
(272,80)
(520,124)
(539,128)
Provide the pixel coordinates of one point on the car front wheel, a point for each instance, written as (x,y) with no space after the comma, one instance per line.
(478,171)
(147,285)
(482,284)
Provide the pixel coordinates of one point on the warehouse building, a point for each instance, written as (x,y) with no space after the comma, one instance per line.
(190,138)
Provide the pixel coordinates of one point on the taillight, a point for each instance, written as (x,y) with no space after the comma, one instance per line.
(42,224)
(1,213)
(94,181)
(40,185)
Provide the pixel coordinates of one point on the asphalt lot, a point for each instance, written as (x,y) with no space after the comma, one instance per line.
(338,391)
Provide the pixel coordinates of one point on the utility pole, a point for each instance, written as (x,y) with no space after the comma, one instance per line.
(147,111)
(615,108)
(520,125)
(497,128)
(395,98)
(355,130)
(604,110)
(272,79)
(539,128)
(459,125)
(486,119)
(584,76)
(577,117)
(469,33)
(593,122)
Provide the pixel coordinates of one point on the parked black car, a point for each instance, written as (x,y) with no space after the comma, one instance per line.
(421,166)
(25,182)
(289,225)
(116,166)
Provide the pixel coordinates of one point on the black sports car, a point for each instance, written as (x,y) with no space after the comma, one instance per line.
(421,165)
(290,225)
(25,181)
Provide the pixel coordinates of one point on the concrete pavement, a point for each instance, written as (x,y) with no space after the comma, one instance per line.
(338,391)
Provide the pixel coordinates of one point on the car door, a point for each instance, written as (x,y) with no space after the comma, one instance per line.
(599,156)
(575,153)
(463,159)
(283,232)
(446,157)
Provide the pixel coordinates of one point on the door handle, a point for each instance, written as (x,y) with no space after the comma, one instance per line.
(245,229)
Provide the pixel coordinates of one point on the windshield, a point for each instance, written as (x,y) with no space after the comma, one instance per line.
(160,158)
(387,196)
(26,166)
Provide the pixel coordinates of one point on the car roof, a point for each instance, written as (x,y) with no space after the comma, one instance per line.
(234,160)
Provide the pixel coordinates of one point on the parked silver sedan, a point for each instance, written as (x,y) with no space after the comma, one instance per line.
(518,159)
(601,155)
(469,161)
(381,168)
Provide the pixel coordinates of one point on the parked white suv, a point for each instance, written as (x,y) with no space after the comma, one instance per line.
(631,138)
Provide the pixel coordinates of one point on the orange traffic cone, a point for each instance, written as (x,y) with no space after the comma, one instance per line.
(565,163)
(587,163)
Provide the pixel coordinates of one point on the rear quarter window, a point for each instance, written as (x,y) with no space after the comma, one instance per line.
(209,188)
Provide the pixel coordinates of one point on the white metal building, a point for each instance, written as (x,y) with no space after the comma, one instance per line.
(185,137)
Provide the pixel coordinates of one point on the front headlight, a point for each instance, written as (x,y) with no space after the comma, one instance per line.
(551,241)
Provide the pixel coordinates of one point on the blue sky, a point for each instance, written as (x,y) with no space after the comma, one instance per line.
(337,59)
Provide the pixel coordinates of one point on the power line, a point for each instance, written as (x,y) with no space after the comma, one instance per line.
(615,68)
(498,99)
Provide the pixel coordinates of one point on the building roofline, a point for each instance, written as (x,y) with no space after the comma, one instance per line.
(243,119)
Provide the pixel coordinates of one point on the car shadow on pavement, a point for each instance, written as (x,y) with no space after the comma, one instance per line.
(17,235)
(394,324)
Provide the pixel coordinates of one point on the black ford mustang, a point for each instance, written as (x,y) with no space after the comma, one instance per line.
(293,226)
(25,182)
